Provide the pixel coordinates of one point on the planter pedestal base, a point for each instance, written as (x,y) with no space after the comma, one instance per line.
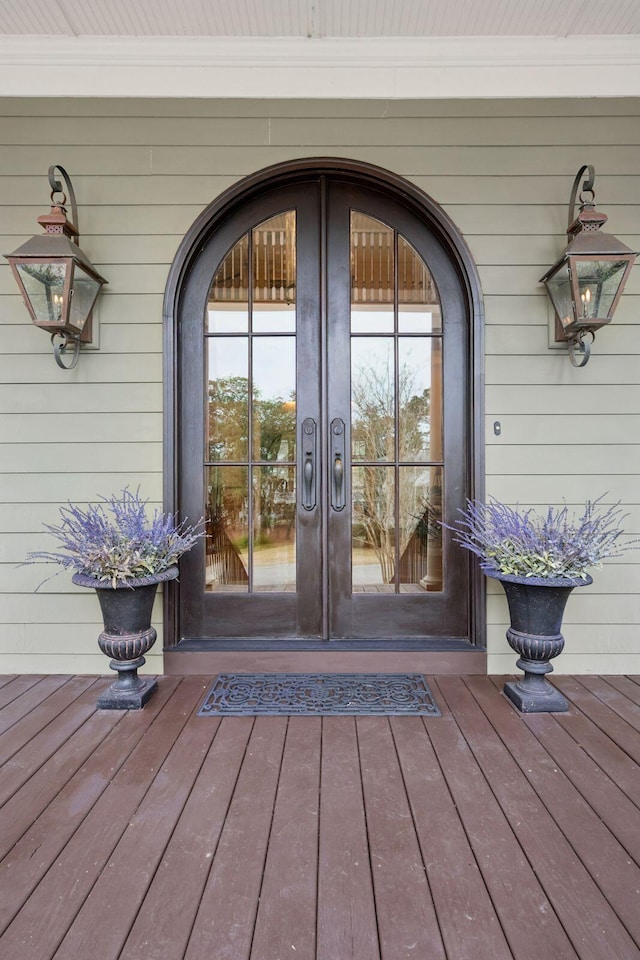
(129,696)
(534,694)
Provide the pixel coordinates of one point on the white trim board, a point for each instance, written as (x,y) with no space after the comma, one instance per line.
(294,68)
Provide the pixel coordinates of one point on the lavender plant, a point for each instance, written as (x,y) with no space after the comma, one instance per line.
(546,546)
(115,540)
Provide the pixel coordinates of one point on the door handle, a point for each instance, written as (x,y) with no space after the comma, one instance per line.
(308,463)
(337,464)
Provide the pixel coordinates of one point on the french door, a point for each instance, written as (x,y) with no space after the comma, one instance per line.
(323,351)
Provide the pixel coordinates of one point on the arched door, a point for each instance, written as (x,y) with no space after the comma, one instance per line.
(323,351)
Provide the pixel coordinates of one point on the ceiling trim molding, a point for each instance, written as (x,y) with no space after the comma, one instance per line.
(301,67)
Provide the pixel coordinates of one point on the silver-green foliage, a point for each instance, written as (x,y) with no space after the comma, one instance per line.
(548,546)
(115,540)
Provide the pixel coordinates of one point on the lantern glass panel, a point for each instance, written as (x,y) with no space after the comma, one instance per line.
(559,288)
(598,282)
(84,293)
(44,285)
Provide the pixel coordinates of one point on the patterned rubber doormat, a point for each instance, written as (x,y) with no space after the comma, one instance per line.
(318,694)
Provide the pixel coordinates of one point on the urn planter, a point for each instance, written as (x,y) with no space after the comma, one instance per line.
(127,635)
(536,608)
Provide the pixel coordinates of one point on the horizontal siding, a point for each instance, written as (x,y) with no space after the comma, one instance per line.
(55,659)
(144,170)
(610,664)
(230,107)
(330,131)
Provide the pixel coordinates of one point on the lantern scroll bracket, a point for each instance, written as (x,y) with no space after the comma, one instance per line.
(56,187)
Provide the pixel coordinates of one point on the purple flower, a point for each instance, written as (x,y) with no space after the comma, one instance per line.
(115,540)
(551,545)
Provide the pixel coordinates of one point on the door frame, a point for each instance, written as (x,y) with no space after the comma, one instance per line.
(439,223)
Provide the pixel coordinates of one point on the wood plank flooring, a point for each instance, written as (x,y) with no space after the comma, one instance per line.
(478,835)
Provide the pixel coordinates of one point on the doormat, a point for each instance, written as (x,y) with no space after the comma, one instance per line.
(319,695)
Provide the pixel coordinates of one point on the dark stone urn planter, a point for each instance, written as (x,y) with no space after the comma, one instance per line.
(536,607)
(127,635)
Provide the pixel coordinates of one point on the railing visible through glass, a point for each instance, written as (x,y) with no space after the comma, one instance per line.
(250,453)
(396,411)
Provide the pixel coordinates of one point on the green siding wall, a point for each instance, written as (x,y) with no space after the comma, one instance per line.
(143,171)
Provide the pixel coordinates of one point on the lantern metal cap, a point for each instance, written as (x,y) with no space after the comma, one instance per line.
(54,245)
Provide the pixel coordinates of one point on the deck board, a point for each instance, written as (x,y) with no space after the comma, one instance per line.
(12,687)
(163,925)
(477,835)
(346,922)
(289,887)
(21,697)
(530,924)
(43,922)
(469,924)
(615,878)
(225,920)
(610,722)
(581,906)
(407,921)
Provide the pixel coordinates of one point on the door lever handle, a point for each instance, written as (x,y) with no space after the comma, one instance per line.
(337,465)
(308,463)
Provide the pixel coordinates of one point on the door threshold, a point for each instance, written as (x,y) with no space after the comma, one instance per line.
(295,644)
(212,657)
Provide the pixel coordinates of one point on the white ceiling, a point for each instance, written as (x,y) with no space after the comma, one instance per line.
(319,18)
(320,48)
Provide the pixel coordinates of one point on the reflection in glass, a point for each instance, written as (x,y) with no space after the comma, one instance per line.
(274,275)
(274,528)
(251,392)
(228,306)
(228,398)
(418,300)
(45,286)
(420,547)
(372,275)
(598,282)
(373,527)
(366,319)
(420,400)
(274,398)
(372,398)
(227,529)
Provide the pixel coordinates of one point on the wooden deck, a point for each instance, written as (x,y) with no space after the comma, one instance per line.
(480,835)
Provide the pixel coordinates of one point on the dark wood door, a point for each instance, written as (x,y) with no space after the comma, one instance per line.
(323,422)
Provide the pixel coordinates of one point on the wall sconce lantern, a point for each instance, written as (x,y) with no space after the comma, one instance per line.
(58,282)
(587,281)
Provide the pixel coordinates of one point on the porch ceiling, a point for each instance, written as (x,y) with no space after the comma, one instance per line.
(319,18)
(319,48)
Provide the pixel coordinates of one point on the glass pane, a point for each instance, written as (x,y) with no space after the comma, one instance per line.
(274,398)
(228,401)
(228,306)
(418,300)
(598,282)
(83,296)
(227,530)
(420,386)
(559,289)
(274,528)
(373,529)
(44,286)
(420,564)
(372,398)
(274,275)
(372,275)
